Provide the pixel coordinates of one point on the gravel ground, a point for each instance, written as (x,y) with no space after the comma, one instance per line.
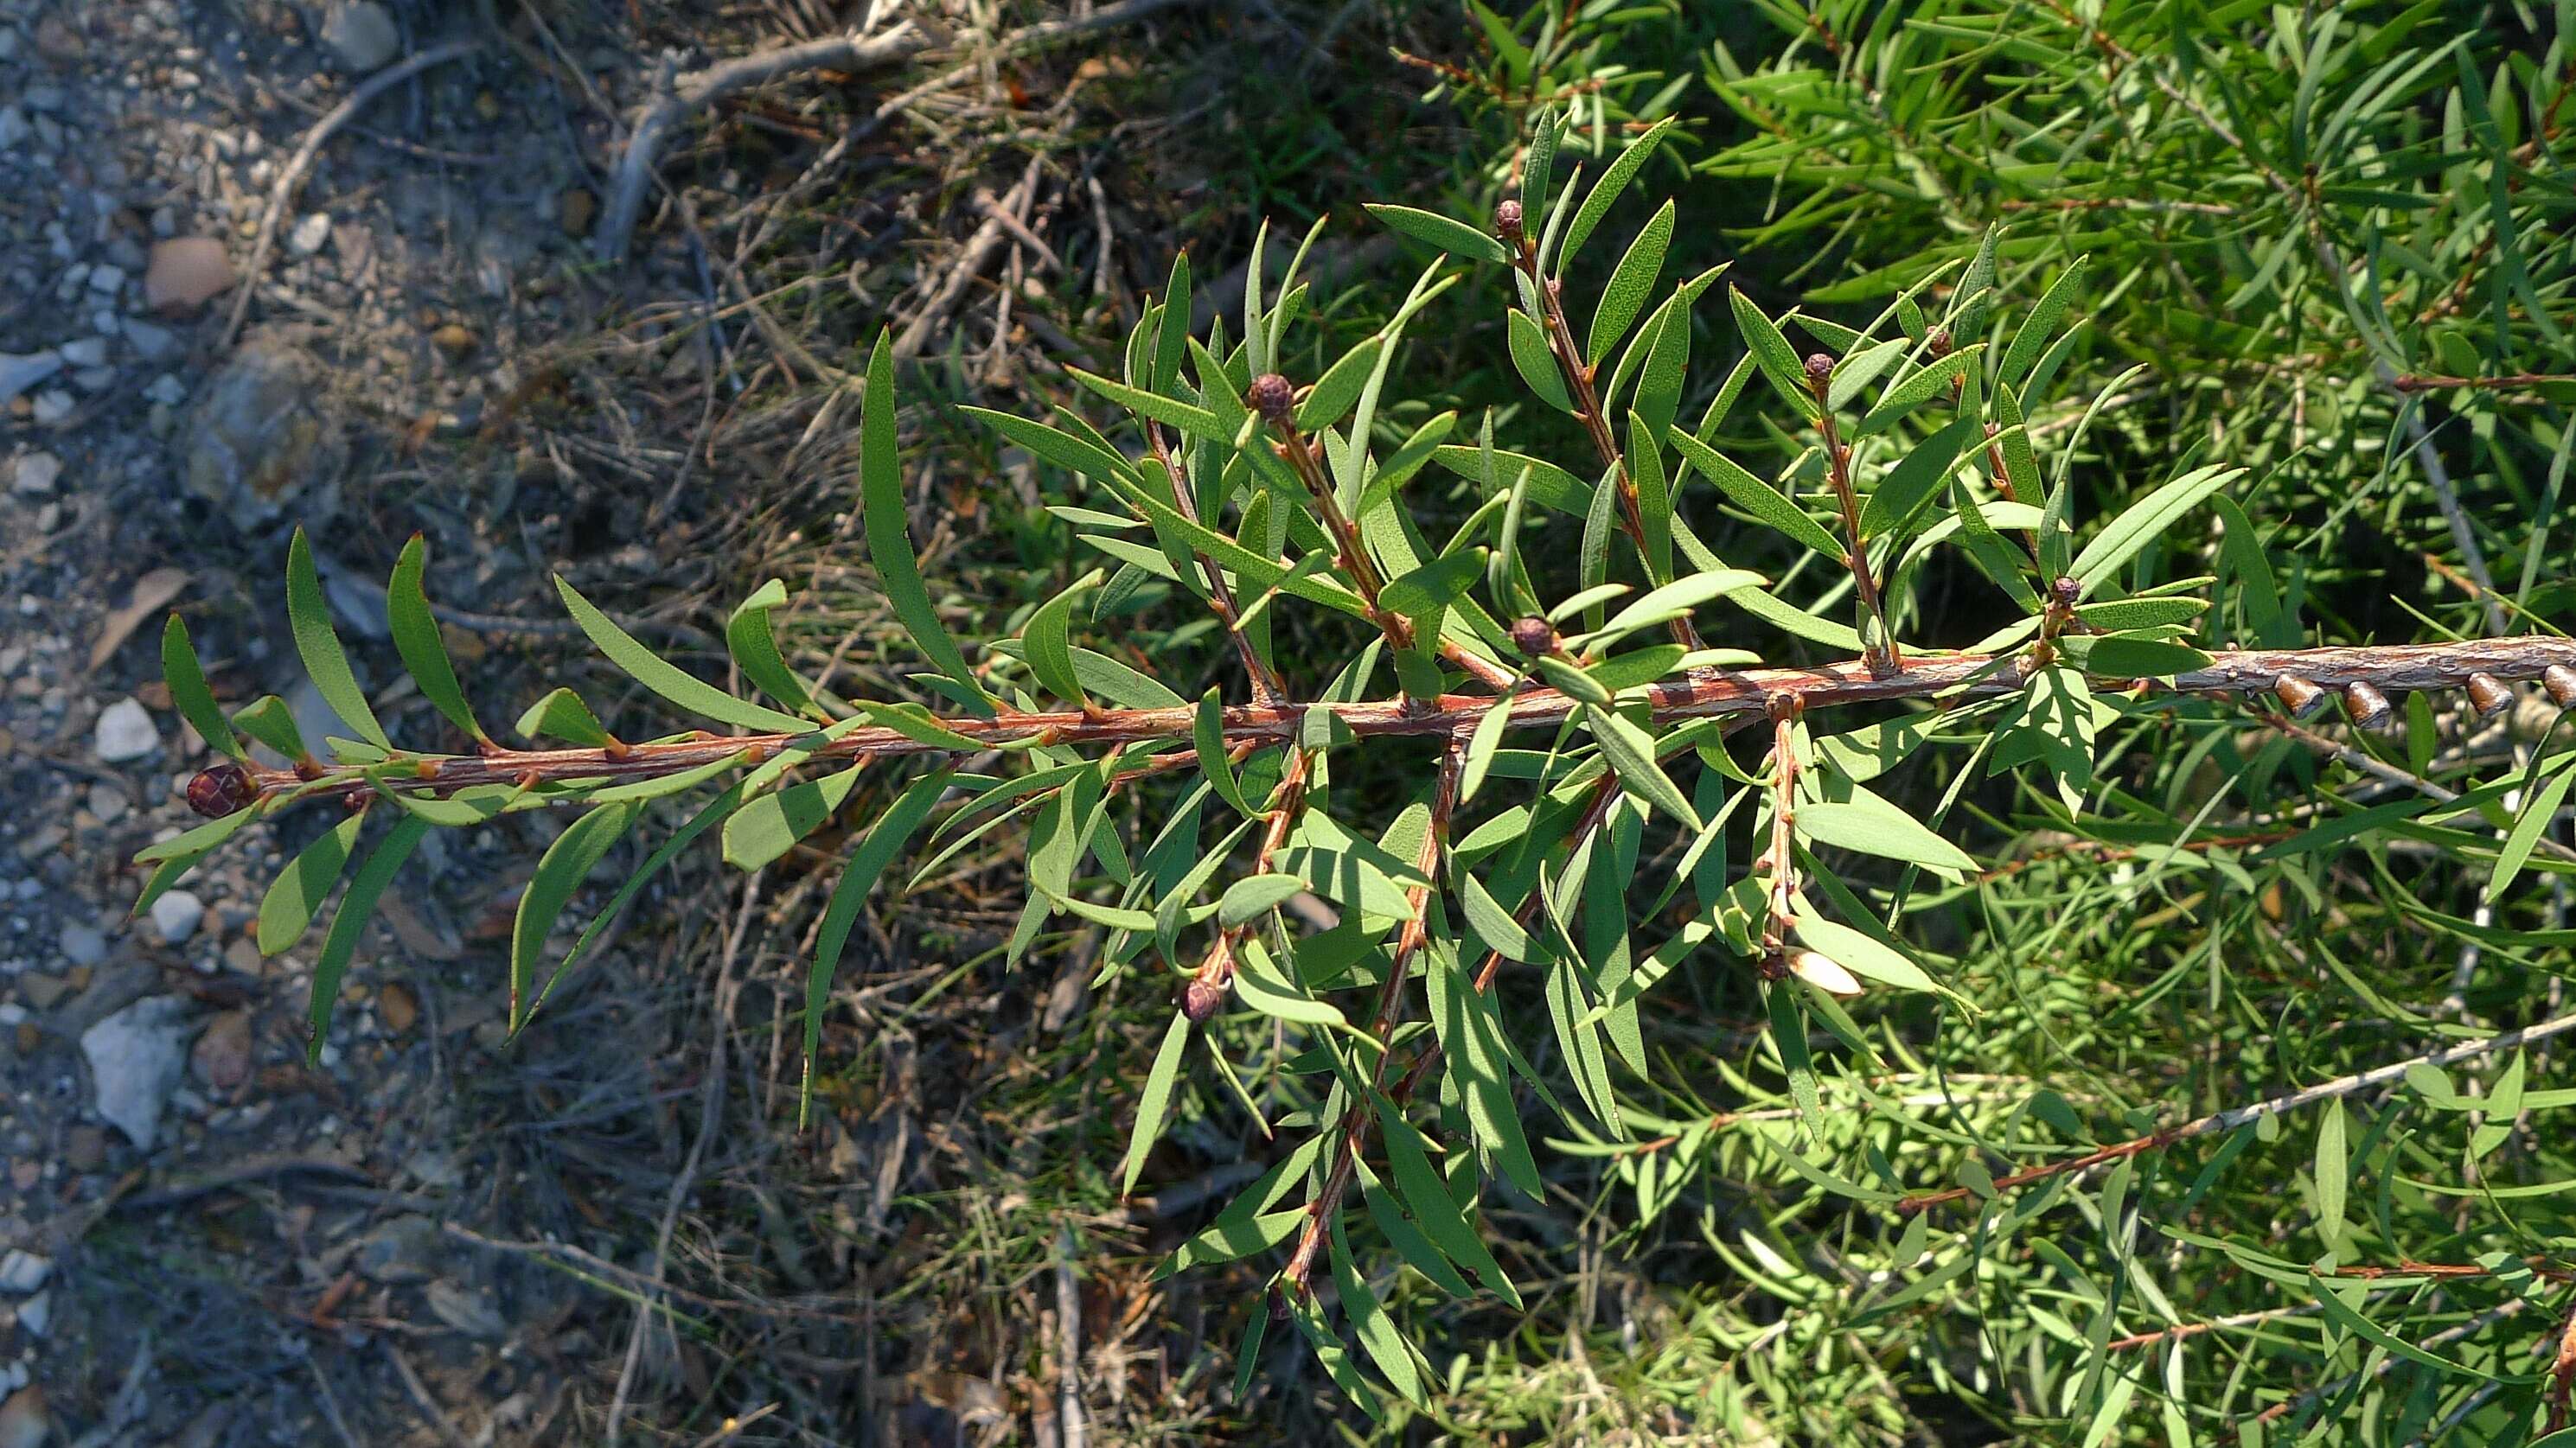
(207,1242)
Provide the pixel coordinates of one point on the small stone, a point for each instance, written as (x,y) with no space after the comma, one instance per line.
(37,473)
(36,1314)
(86,352)
(82,944)
(221,1059)
(455,339)
(151,341)
(23,1272)
(106,279)
(25,1422)
(310,234)
(136,1058)
(362,34)
(42,991)
(22,370)
(176,915)
(397,1007)
(125,732)
(266,435)
(577,209)
(52,407)
(14,129)
(185,273)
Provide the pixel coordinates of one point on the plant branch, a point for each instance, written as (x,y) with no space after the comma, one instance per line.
(1390,1009)
(2235,1117)
(1579,376)
(1694,694)
(1879,652)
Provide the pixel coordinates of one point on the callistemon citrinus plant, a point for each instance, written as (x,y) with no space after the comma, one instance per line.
(1644,767)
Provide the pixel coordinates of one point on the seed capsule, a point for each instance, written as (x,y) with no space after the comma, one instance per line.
(1820,368)
(1939,345)
(2488,695)
(1201,998)
(1507,222)
(1824,973)
(2368,707)
(1534,636)
(220,789)
(2298,696)
(2068,591)
(2560,681)
(1274,397)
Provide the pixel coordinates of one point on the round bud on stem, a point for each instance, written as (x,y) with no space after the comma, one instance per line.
(1820,369)
(1274,397)
(2488,695)
(2369,707)
(2560,681)
(1507,222)
(2298,696)
(1534,636)
(2066,591)
(220,789)
(1201,998)
(1939,344)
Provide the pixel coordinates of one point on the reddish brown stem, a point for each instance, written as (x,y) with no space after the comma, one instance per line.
(1695,694)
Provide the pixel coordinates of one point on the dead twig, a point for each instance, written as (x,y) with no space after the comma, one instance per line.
(970,263)
(293,176)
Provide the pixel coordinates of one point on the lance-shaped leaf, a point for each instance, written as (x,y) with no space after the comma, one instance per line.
(1624,296)
(715,811)
(1772,353)
(1871,826)
(268,720)
(1613,182)
(2041,324)
(308,615)
(1153,1107)
(755,649)
(867,862)
(668,679)
(357,903)
(1371,1325)
(1535,360)
(1256,896)
(1926,383)
(1913,482)
(1454,237)
(889,544)
(2144,520)
(561,714)
(295,895)
(770,825)
(1863,955)
(560,872)
(187,681)
(1431,588)
(1631,753)
(1766,503)
(1048,640)
(1335,391)
(416,638)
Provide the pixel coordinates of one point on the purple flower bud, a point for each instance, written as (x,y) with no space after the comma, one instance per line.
(1507,222)
(1274,397)
(220,789)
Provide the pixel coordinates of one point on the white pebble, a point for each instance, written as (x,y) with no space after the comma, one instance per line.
(125,732)
(37,472)
(176,915)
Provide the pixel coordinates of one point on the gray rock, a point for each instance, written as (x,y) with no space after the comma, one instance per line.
(265,436)
(153,342)
(176,915)
(137,1057)
(86,352)
(125,732)
(14,129)
(309,234)
(83,944)
(22,370)
(362,34)
(37,472)
(36,1314)
(104,278)
(24,1272)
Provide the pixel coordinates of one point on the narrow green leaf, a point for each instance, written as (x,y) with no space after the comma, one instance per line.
(1860,369)
(417,639)
(1208,734)
(771,824)
(1772,353)
(1613,182)
(1153,1107)
(2127,656)
(667,679)
(1913,482)
(1048,638)
(1454,237)
(2041,324)
(1863,955)
(2145,520)
(1631,753)
(561,714)
(1335,391)
(1624,296)
(1536,361)
(560,872)
(1765,503)
(292,899)
(2538,811)
(308,615)
(1925,384)
(850,893)
(268,720)
(1255,896)
(1435,585)
(889,543)
(755,649)
(187,681)
(1872,826)
(2333,1174)
(1370,1324)
(356,904)
(1426,1195)
(1171,339)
